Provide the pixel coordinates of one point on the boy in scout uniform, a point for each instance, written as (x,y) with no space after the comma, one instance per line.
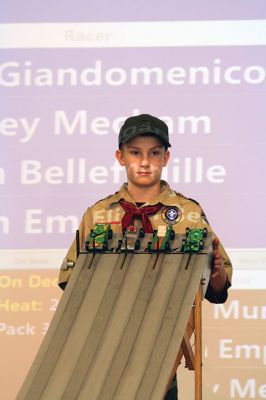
(149,202)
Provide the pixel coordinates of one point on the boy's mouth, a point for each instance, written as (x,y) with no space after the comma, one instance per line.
(144,173)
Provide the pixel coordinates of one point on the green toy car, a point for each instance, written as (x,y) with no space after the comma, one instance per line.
(161,238)
(194,242)
(99,236)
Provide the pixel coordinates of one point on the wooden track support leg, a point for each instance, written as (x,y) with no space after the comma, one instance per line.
(198,344)
(193,359)
(188,352)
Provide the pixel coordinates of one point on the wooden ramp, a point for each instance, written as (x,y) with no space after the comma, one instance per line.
(118,327)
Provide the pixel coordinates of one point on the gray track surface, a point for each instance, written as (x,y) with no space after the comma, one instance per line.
(118,327)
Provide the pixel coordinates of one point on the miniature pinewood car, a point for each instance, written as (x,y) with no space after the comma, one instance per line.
(194,241)
(99,236)
(161,238)
(131,239)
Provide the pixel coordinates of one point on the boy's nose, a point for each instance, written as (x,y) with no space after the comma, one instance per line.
(144,161)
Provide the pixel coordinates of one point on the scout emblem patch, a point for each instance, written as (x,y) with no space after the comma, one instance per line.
(171,215)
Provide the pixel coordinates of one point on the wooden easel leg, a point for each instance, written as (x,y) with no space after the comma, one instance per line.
(193,360)
(198,344)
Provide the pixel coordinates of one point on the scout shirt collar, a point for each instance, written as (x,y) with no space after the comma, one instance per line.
(167,197)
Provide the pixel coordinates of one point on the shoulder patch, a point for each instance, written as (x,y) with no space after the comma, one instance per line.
(181,194)
(194,201)
(105,198)
(203,216)
(187,198)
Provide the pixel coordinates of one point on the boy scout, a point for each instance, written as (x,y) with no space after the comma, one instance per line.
(149,202)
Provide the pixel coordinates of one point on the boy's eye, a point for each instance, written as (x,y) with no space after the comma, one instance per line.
(155,153)
(134,152)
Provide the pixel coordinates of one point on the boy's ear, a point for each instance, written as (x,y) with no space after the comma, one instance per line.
(119,157)
(166,157)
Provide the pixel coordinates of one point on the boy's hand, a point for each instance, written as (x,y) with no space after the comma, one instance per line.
(218,275)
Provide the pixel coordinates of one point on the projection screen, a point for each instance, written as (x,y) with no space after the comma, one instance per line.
(68,79)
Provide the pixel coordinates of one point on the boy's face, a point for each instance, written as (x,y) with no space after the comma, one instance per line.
(144,158)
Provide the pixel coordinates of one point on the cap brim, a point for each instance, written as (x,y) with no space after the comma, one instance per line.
(135,134)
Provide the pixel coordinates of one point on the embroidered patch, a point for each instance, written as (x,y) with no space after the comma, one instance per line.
(171,215)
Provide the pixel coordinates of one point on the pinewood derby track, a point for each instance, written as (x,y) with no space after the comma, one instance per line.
(119,326)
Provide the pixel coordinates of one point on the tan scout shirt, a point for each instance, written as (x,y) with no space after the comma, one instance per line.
(176,209)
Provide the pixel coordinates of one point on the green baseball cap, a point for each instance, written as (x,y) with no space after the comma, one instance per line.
(142,125)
